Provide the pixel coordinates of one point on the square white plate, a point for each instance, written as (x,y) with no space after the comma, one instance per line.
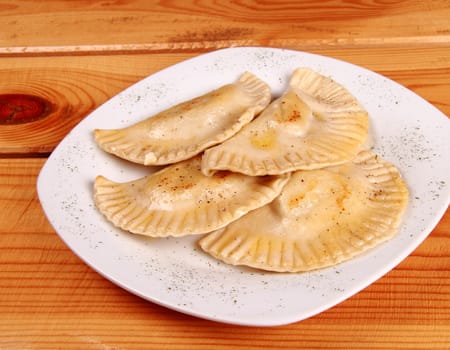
(173,272)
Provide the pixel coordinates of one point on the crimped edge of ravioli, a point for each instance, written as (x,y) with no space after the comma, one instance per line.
(324,93)
(237,247)
(343,132)
(117,142)
(124,211)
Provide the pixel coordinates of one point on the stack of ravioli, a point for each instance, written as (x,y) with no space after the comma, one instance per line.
(284,185)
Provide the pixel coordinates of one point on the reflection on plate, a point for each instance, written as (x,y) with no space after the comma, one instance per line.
(173,272)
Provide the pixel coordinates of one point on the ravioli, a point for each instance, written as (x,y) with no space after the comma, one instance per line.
(314,124)
(188,128)
(179,200)
(321,218)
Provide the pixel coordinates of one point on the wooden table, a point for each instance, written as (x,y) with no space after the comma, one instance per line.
(75,55)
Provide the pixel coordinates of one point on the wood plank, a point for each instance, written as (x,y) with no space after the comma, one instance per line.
(72,86)
(75,86)
(152,26)
(49,298)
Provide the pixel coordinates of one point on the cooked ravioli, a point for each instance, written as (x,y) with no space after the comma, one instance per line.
(315,123)
(321,218)
(179,200)
(188,128)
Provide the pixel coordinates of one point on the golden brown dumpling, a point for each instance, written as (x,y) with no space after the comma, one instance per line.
(315,123)
(322,217)
(179,200)
(186,129)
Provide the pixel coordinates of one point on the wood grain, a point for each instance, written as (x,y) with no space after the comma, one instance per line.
(154,26)
(75,86)
(50,299)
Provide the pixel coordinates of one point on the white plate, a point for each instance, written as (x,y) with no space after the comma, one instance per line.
(173,272)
